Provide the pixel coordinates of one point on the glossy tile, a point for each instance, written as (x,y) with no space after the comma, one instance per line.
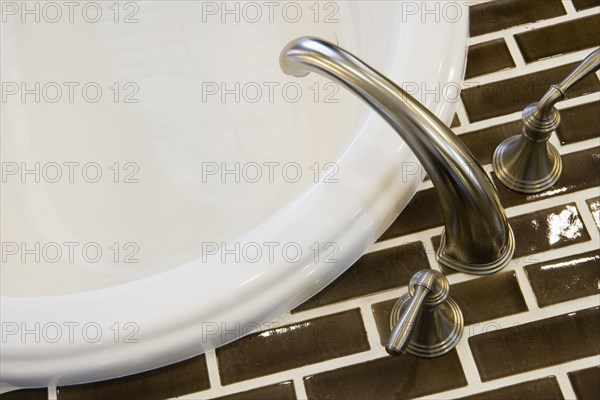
(422,212)
(580,171)
(455,122)
(372,273)
(483,142)
(537,344)
(501,14)
(570,36)
(514,94)
(279,391)
(26,394)
(585,4)
(292,346)
(586,383)
(397,378)
(540,389)
(174,380)
(566,278)
(594,206)
(579,123)
(487,57)
(547,229)
(479,299)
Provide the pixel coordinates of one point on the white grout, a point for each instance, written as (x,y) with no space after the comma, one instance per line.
(364,303)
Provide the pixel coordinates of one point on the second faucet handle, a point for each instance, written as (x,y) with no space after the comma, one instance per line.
(425,322)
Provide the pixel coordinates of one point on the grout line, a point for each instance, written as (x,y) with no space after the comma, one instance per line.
(52,392)
(565,386)
(569,7)
(300,389)
(515,52)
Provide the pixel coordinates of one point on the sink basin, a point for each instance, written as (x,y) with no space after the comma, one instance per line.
(167,189)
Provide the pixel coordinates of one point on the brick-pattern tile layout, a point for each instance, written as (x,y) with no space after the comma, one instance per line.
(586,383)
(401,377)
(558,39)
(292,346)
(539,389)
(279,391)
(176,380)
(537,344)
(565,278)
(531,329)
(487,57)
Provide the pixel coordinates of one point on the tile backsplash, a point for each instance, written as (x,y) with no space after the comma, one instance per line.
(531,330)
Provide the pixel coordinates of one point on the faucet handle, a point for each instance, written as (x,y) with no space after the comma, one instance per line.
(425,322)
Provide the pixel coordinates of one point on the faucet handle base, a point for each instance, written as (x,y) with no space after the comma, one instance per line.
(438,326)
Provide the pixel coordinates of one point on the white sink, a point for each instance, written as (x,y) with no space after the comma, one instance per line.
(287,236)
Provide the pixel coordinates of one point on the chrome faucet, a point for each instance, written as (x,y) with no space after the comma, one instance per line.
(528,163)
(477,238)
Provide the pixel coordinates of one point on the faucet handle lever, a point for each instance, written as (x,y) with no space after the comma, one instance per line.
(425,322)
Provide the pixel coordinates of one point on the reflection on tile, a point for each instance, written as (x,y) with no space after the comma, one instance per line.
(565,279)
(501,14)
(483,142)
(585,4)
(185,377)
(386,378)
(586,383)
(487,57)
(514,94)
(537,344)
(594,205)
(579,123)
(26,394)
(479,300)
(580,171)
(422,212)
(563,38)
(373,272)
(542,230)
(292,346)
(548,229)
(279,391)
(540,389)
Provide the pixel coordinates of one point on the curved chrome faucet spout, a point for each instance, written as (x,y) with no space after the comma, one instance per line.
(477,238)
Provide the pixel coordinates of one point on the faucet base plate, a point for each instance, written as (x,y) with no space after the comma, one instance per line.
(472,268)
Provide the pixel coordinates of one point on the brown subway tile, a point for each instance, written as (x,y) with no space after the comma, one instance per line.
(292,346)
(558,39)
(397,378)
(279,391)
(514,94)
(548,229)
(580,171)
(372,273)
(26,394)
(501,14)
(487,57)
(178,379)
(586,383)
(566,278)
(455,121)
(585,4)
(579,123)
(540,389)
(483,142)
(422,212)
(537,344)
(542,230)
(594,206)
(479,299)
